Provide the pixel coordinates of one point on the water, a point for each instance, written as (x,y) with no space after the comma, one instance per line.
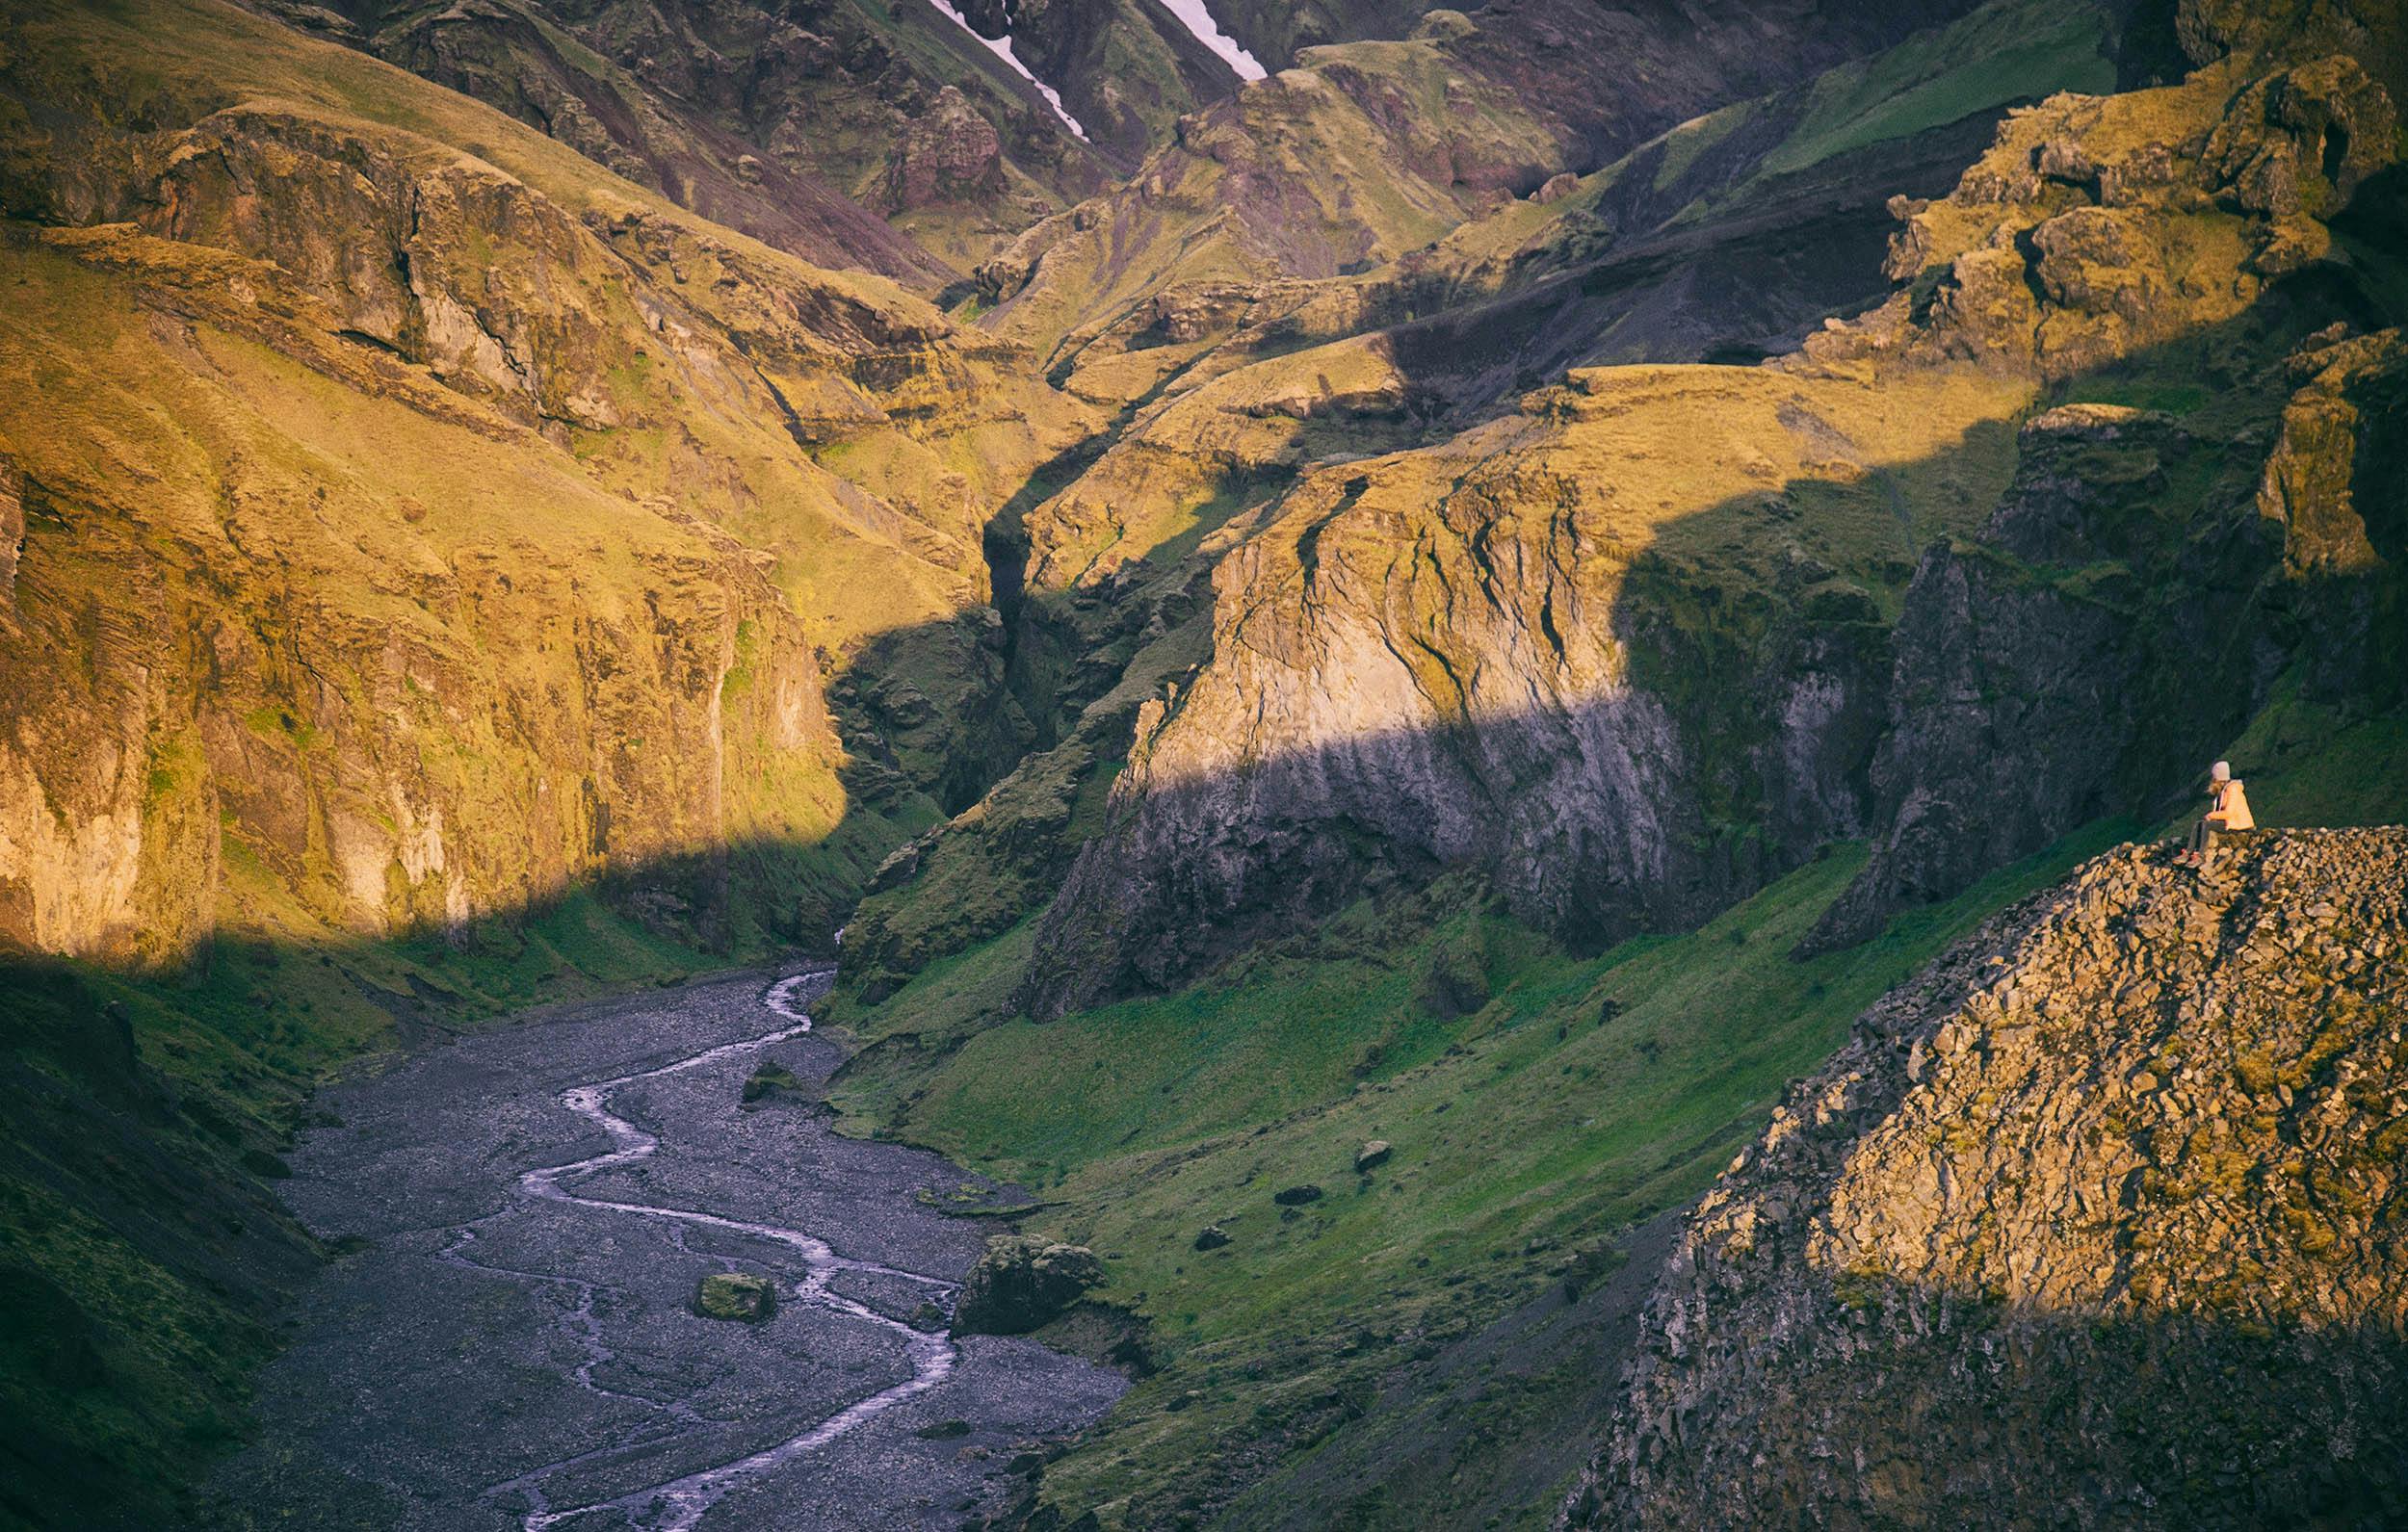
(516,1348)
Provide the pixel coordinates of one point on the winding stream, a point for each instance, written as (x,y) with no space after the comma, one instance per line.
(534,1363)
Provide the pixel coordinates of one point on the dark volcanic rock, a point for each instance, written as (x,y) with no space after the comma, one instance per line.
(949,153)
(2089,653)
(1296,1196)
(771,1081)
(1020,1283)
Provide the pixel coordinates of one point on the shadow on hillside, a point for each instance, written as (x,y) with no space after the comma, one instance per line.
(1948,1408)
(145,1109)
(2080,661)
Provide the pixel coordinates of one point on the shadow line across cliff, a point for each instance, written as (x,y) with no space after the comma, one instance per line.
(1825,659)
(146,1108)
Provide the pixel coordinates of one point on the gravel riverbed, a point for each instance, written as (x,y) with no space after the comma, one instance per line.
(511,1340)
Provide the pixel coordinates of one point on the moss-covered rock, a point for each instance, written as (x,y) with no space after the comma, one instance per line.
(737,1296)
(1019,1283)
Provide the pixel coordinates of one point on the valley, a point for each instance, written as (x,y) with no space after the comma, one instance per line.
(574,1295)
(1325,707)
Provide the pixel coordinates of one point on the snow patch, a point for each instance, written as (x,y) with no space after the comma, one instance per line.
(1197,18)
(1001,48)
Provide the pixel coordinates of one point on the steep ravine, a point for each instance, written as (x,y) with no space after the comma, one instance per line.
(509,1338)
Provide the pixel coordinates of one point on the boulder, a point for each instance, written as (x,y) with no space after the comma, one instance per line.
(1020,1283)
(1212,1237)
(735,1296)
(1371,1155)
(769,1082)
(1296,1196)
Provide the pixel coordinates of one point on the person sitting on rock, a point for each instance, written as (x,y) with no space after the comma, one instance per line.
(2228,810)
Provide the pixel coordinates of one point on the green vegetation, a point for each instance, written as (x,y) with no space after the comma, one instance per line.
(2309,764)
(2008,51)
(1573,1096)
(141,1258)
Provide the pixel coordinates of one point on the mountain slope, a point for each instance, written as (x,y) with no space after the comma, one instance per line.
(1244,697)
(621,421)
(1368,151)
(2099,1220)
(437,567)
(1635,685)
(807,126)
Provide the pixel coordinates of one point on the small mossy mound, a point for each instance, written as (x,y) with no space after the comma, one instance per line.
(1020,1283)
(735,1296)
(1592,1263)
(772,1082)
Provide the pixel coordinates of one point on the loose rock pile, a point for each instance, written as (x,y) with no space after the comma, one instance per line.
(2099,1223)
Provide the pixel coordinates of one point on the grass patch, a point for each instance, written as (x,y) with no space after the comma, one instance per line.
(1577,1096)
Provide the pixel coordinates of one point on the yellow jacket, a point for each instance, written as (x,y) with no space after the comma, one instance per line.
(2230,808)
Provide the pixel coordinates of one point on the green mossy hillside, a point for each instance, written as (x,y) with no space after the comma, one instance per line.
(1539,1105)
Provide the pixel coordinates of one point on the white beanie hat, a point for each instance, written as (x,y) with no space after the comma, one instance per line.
(2221,772)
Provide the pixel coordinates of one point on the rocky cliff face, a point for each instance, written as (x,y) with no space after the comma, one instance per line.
(1633,685)
(2170,631)
(2098,1220)
(406,538)
(2086,652)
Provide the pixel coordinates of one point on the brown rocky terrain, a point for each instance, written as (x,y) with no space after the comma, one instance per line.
(1370,151)
(603,475)
(1494,651)
(1542,554)
(2097,1223)
(811,127)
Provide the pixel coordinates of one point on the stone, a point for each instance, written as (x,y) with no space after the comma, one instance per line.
(1298,1196)
(1211,1237)
(768,1081)
(735,1296)
(949,153)
(1020,1283)
(1371,1155)
(1980,1244)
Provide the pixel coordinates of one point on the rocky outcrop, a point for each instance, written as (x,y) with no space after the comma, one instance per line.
(1020,1283)
(2086,654)
(1632,680)
(2095,1222)
(949,153)
(737,1296)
